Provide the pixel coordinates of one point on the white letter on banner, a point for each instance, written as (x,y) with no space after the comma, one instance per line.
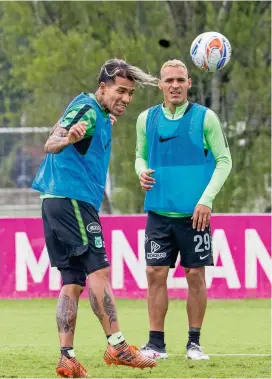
(121,252)
(26,260)
(256,252)
(227,270)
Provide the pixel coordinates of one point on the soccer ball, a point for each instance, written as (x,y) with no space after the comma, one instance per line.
(210,51)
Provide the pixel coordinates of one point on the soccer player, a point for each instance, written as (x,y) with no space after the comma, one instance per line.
(71,180)
(182,160)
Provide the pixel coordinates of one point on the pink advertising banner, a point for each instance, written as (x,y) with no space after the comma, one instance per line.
(241,246)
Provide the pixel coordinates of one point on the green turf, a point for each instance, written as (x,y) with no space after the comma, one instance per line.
(29,342)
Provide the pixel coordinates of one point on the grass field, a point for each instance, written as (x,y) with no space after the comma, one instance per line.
(29,343)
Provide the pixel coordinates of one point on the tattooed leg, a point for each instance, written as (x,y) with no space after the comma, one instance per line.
(109,307)
(95,305)
(102,300)
(67,313)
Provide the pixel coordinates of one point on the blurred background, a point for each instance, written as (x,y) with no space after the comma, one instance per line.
(52,51)
(49,53)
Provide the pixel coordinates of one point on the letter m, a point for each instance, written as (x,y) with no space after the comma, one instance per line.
(27,262)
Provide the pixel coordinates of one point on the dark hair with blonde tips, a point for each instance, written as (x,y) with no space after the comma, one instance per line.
(118,67)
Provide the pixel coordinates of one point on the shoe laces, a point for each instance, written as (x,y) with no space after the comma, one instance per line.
(145,347)
(149,348)
(133,350)
(194,346)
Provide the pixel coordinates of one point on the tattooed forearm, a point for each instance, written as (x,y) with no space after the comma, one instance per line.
(66,314)
(109,308)
(95,305)
(54,128)
(57,141)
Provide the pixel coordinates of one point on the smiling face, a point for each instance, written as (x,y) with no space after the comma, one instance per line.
(116,95)
(174,85)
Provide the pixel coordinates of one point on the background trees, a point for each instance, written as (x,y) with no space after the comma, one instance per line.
(50,51)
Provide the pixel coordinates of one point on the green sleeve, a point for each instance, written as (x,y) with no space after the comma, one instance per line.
(141,163)
(215,140)
(89,117)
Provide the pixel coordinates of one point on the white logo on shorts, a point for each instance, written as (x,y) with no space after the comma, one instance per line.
(156,255)
(93,227)
(98,242)
(205,256)
(154,246)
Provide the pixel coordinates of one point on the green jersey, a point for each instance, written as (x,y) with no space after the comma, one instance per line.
(89,117)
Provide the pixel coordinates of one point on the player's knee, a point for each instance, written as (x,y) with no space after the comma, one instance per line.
(195,277)
(102,274)
(72,290)
(156,275)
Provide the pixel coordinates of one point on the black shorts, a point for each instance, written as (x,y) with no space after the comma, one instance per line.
(166,237)
(74,238)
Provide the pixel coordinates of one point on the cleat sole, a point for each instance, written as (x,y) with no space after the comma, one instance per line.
(64,372)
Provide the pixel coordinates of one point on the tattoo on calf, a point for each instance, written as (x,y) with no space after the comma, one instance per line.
(95,305)
(109,308)
(66,314)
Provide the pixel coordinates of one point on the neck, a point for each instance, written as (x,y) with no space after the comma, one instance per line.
(173,107)
(99,98)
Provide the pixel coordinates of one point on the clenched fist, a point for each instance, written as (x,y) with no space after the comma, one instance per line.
(77,132)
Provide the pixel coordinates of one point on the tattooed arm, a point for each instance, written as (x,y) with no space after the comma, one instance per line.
(61,138)
(54,128)
(57,141)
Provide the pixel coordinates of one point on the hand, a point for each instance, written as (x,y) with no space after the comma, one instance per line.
(77,132)
(113,119)
(146,180)
(201,217)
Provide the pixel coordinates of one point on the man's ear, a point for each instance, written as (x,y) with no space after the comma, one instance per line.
(159,84)
(102,87)
(190,82)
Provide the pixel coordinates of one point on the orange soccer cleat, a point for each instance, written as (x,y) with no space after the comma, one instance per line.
(127,355)
(70,368)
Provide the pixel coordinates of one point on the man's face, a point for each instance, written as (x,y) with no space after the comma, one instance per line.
(174,84)
(117,95)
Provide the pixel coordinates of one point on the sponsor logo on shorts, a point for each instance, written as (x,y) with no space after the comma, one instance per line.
(93,227)
(98,242)
(106,258)
(156,255)
(154,246)
(203,257)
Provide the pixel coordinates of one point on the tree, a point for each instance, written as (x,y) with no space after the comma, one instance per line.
(54,50)
(240,94)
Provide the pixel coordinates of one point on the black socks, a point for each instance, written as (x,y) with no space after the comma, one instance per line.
(68,352)
(194,335)
(157,339)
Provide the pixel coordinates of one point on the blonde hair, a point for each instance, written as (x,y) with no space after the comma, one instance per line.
(174,63)
(118,67)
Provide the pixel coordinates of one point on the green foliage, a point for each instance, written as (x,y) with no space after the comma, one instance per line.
(6,168)
(51,51)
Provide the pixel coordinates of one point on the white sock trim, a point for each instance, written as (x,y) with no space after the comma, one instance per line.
(116,338)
